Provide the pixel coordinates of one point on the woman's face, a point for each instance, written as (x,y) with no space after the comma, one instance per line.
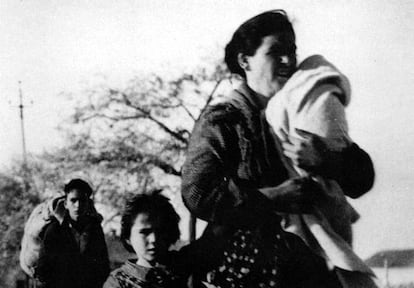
(271,65)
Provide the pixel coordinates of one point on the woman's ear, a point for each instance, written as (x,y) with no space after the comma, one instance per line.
(243,61)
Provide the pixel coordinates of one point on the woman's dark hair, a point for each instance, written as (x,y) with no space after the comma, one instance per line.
(155,205)
(78,184)
(248,37)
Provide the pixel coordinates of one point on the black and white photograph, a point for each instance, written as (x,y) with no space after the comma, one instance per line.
(206,144)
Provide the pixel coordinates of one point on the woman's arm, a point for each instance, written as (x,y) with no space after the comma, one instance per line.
(212,160)
(351,167)
(324,147)
(211,193)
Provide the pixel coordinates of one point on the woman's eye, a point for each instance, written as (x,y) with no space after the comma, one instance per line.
(145,231)
(275,53)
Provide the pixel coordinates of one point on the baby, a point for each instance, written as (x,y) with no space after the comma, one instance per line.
(314,100)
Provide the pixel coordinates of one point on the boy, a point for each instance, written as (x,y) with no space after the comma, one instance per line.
(74,252)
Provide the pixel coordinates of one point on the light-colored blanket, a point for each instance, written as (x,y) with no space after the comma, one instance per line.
(314,100)
(40,217)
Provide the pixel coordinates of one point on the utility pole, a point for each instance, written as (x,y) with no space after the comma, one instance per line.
(21,107)
(386,268)
(29,283)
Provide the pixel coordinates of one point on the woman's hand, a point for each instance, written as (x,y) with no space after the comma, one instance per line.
(307,152)
(296,195)
(352,167)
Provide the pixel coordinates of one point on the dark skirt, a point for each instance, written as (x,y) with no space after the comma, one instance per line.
(268,257)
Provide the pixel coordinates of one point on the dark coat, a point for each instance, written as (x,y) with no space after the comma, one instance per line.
(232,154)
(64,262)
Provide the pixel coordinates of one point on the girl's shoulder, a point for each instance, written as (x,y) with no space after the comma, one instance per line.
(128,275)
(132,275)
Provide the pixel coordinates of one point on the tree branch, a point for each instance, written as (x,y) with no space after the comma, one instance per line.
(110,218)
(148,115)
(210,97)
(143,158)
(119,118)
(164,166)
(188,112)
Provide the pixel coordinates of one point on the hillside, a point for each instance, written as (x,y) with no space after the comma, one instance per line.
(395,258)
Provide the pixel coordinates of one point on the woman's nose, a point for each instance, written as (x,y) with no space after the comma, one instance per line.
(151,238)
(287,60)
(284,59)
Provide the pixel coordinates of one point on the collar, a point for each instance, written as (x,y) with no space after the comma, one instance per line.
(255,100)
(142,273)
(67,221)
(137,270)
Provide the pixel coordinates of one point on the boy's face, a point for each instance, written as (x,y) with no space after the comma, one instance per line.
(76,202)
(148,239)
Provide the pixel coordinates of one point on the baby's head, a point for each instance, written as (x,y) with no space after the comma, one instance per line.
(149,226)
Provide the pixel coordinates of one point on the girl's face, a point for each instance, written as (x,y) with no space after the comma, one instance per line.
(148,240)
(271,65)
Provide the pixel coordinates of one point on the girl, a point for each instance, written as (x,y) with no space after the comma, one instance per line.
(149,226)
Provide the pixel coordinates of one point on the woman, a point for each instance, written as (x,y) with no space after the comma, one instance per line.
(235,179)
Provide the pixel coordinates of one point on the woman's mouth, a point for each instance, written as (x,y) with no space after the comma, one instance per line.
(151,251)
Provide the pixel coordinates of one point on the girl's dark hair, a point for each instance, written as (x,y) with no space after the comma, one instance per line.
(248,37)
(78,184)
(155,205)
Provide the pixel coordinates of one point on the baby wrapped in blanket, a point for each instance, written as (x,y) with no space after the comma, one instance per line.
(314,100)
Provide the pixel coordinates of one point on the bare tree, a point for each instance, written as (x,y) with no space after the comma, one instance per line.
(132,138)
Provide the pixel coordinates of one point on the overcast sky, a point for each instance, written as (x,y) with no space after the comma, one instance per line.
(58,46)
